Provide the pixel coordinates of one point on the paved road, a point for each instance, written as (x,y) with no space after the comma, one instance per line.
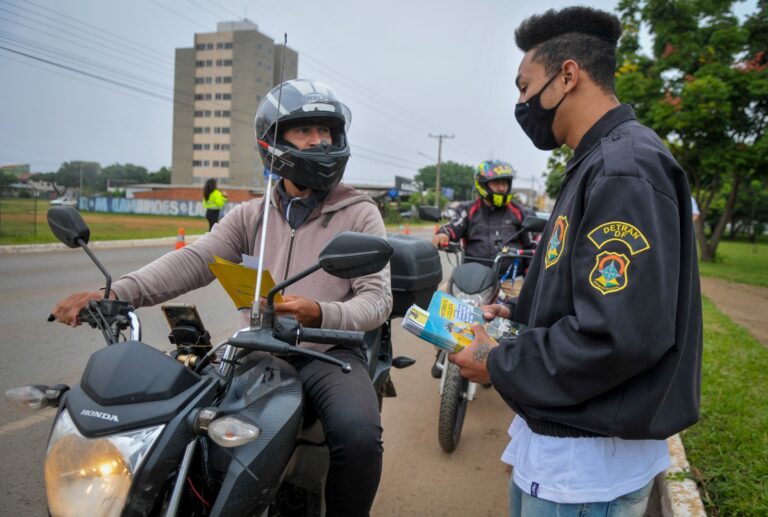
(418,479)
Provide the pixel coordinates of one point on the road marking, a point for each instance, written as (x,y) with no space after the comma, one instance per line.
(19,425)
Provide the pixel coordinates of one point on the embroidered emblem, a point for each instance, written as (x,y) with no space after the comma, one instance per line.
(556,241)
(610,273)
(621,232)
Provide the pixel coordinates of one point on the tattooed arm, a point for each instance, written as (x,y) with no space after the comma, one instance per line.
(472,359)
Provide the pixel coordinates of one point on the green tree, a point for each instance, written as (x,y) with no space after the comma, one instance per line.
(161,176)
(453,175)
(126,173)
(6,178)
(704,90)
(69,173)
(556,169)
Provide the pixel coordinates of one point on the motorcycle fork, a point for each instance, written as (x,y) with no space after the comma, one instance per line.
(442,365)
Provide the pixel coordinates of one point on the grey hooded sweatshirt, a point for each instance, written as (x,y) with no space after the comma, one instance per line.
(357,304)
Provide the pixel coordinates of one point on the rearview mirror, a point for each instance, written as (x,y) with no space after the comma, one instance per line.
(353,254)
(68,226)
(534,224)
(429,213)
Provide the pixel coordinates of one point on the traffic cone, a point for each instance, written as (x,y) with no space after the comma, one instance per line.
(180,239)
(406,230)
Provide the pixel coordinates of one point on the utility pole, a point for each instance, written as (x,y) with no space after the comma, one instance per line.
(439,158)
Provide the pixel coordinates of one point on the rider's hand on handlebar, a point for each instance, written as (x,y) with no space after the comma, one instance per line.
(494,311)
(440,240)
(66,310)
(306,311)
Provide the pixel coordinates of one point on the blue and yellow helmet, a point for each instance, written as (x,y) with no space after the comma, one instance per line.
(494,170)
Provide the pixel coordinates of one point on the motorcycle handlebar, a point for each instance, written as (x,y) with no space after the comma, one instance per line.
(450,247)
(349,338)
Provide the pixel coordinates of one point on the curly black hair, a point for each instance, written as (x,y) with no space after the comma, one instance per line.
(586,35)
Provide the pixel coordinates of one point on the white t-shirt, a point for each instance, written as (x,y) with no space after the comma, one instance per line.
(581,470)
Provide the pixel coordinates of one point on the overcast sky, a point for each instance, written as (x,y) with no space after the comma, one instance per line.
(405,68)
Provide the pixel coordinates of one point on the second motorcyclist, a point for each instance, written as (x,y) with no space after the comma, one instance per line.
(486,225)
(308,207)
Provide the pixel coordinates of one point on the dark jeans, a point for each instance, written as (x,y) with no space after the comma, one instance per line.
(212,216)
(347,406)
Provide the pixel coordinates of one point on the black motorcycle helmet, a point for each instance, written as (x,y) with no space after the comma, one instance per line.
(303,101)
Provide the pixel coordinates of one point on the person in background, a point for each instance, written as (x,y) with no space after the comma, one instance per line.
(213,202)
(602,372)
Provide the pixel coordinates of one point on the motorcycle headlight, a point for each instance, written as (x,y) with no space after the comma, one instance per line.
(476,299)
(92,476)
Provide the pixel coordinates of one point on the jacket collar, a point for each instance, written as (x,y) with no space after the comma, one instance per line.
(607,123)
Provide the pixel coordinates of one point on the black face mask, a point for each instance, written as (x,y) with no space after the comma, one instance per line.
(536,121)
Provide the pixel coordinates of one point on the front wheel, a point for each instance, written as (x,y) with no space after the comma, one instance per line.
(453,407)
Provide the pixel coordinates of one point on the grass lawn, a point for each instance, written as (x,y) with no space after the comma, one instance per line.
(17,226)
(728,448)
(739,262)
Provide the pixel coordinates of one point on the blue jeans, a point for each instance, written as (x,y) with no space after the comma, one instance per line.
(632,504)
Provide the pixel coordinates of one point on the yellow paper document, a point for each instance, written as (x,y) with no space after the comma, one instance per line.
(239,282)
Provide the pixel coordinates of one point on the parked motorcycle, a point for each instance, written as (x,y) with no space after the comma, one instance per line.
(476,281)
(203,430)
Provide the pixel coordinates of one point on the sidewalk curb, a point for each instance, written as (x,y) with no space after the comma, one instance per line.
(57,246)
(679,496)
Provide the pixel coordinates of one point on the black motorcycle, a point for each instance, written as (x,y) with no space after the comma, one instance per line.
(203,430)
(476,281)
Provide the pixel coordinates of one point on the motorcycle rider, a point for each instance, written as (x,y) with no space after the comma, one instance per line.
(308,206)
(487,224)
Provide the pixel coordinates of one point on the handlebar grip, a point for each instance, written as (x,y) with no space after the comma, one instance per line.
(51,317)
(333,337)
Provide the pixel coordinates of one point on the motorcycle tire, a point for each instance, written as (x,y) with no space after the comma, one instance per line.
(453,408)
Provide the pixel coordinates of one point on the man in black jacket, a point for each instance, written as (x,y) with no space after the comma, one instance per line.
(609,364)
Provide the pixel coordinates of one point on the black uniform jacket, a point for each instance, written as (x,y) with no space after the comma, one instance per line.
(612,301)
(484,231)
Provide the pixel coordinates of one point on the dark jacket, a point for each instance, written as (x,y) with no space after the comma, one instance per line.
(484,230)
(612,299)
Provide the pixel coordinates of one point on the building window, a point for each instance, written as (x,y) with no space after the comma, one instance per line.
(203,96)
(209,62)
(227,80)
(227,62)
(225,163)
(209,80)
(196,163)
(222,113)
(199,113)
(221,130)
(206,163)
(197,130)
(218,80)
(219,46)
(199,80)
(209,46)
(200,46)
(199,64)
(215,163)
(223,96)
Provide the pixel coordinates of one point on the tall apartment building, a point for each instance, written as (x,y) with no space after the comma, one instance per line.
(218,86)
